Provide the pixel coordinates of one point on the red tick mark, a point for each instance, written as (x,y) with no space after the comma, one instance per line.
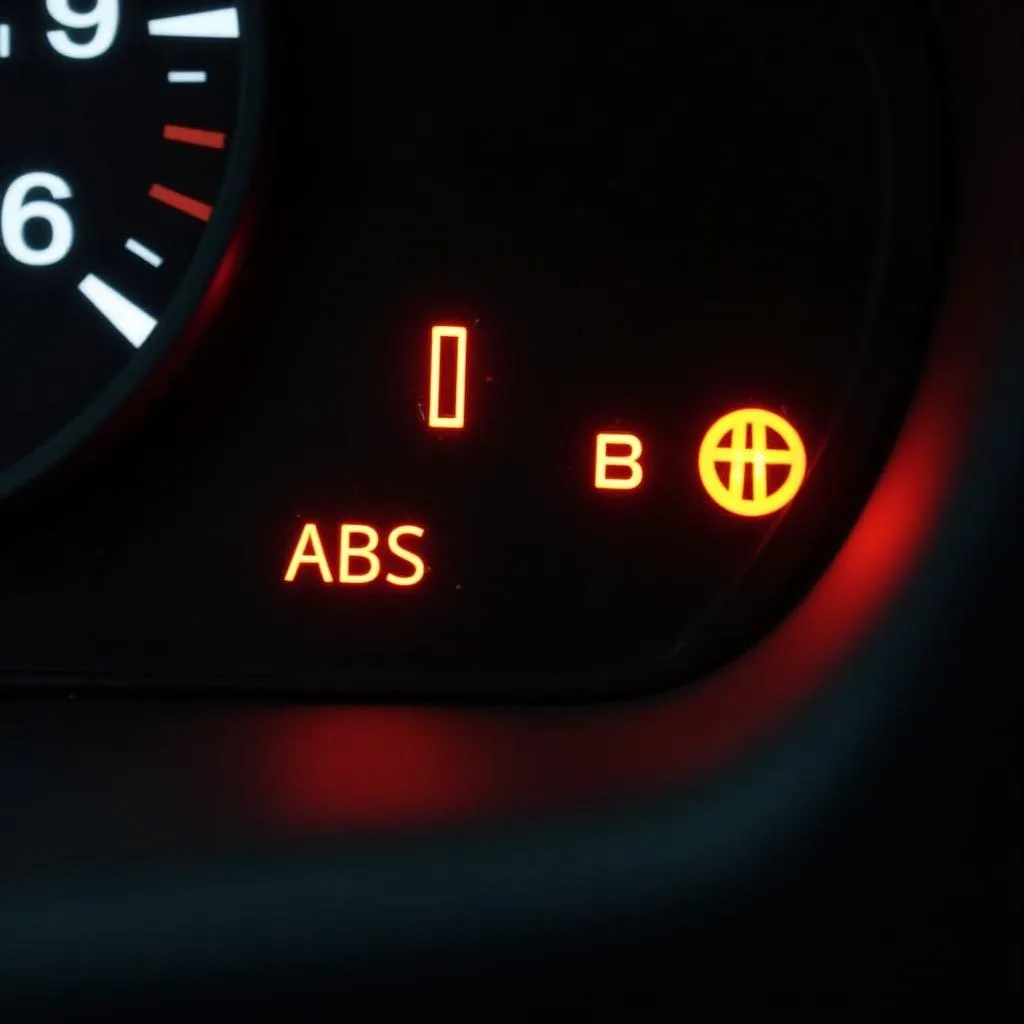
(193,207)
(195,136)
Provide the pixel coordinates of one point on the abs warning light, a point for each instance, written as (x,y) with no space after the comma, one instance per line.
(361,556)
(775,474)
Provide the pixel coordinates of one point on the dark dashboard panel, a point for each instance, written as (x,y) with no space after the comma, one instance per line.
(563,358)
(829,820)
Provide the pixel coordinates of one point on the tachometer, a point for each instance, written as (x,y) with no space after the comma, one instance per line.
(127,141)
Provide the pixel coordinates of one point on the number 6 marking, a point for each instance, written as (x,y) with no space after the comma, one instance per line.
(16,214)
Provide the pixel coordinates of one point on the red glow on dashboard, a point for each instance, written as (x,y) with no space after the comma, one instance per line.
(389,768)
(380,768)
(384,768)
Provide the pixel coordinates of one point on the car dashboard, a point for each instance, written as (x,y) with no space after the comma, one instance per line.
(512,507)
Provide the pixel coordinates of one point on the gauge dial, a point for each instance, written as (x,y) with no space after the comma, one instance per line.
(122,175)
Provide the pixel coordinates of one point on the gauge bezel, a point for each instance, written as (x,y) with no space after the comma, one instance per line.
(197,299)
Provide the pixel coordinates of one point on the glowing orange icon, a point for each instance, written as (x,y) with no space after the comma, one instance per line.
(442,340)
(359,556)
(749,447)
(617,462)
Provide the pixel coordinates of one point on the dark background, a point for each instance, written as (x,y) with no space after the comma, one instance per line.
(896,887)
(647,220)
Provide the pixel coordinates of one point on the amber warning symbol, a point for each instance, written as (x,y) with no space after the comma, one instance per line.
(731,486)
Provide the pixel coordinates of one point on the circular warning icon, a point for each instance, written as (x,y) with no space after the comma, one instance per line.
(736,474)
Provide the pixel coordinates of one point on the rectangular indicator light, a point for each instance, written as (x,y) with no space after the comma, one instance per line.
(447,378)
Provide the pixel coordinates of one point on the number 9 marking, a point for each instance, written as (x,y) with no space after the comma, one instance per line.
(103,19)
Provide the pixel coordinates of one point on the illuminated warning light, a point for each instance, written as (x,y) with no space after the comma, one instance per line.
(447,378)
(617,462)
(738,492)
(359,558)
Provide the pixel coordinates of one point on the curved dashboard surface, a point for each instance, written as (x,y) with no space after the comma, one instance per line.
(578,452)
